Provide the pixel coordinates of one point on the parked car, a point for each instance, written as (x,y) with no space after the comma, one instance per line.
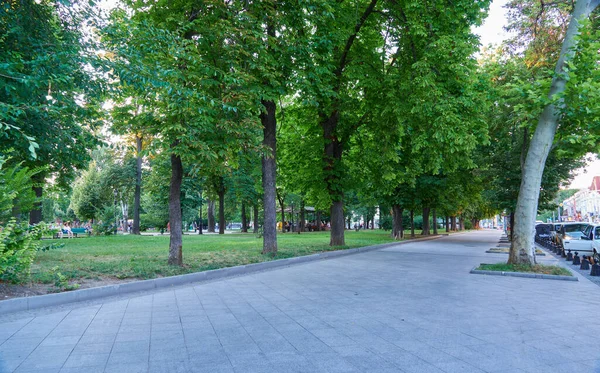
(570,231)
(586,243)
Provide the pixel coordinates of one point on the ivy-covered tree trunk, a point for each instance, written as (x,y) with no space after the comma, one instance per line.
(522,250)
(269,172)
(426,229)
(412,224)
(135,229)
(435,226)
(397,228)
(210,212)
(244,218)
(221,193)
(175,242)
(255,217)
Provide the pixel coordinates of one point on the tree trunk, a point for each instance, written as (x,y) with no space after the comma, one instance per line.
(200,216)
(426,221)
(332,159)
(175,243)
(244,218)
(35,215)
(453,223)
(135,229)
(435,227)
(522,250)
(512,224)
(221,206)
(461,223)
(447,222)
(412,224)
(210,212)
(269,171)
(255,217)
(397,211)
(337,224)
(319,225)
(348,221)
(302,224)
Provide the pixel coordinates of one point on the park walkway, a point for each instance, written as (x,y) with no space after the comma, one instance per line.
(411,308)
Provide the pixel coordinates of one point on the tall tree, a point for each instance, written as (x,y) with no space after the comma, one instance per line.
(49,100)
(522,247)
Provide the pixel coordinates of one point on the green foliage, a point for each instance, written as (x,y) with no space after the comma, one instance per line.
(18,247)
(61,282)
(16,194)
(48,101)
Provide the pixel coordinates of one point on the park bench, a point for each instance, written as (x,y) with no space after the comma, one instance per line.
(76,232)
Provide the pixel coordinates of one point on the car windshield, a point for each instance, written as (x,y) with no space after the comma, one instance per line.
(597,233)
(575,227)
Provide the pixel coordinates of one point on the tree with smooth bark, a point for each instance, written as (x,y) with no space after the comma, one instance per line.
(522,249)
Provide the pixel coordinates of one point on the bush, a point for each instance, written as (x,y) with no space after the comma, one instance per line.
(467,224)
(385,222)
(18,246)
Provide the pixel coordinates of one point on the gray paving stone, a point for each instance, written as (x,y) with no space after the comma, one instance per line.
(86,360)
(409,308)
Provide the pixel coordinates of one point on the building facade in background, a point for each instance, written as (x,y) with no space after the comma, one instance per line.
(583,205)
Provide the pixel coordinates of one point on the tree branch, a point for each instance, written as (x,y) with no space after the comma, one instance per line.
(352,38)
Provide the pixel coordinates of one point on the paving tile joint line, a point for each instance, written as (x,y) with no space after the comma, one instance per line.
(41,301)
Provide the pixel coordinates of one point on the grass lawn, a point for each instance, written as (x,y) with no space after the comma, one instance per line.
(538,268)
(143,257)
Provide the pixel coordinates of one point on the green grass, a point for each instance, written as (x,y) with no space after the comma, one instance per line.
(144,257)
(538,268)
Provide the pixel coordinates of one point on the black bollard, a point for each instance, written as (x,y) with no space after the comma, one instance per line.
(585,263)
(562,252)
(595,270)
(569,256)
(576,259)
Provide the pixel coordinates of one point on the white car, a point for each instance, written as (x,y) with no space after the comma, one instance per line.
(585,245)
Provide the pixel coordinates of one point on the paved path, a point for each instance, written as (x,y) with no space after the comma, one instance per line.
(411,308)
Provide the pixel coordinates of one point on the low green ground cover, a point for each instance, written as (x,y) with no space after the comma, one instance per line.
(538,268)
(144,257)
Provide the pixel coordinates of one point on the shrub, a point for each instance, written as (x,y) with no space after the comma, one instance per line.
(18,246)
